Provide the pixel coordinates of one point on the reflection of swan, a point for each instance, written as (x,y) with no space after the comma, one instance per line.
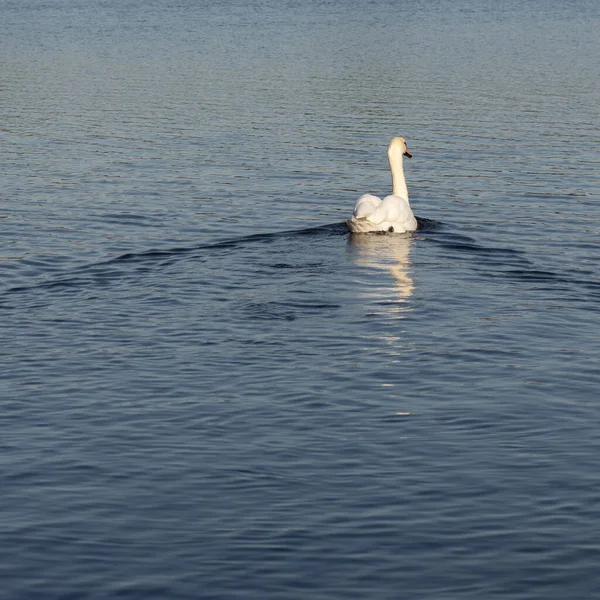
(389,252)
(393,214)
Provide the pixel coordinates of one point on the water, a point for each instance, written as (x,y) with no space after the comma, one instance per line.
(210,390)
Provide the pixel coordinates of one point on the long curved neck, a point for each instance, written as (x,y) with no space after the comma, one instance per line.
(398,181)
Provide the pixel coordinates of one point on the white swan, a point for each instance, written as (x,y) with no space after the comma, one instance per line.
(393,214)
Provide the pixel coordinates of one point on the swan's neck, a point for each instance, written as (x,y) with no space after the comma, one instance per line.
(398,182)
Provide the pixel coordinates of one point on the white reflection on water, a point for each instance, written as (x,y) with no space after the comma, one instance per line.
(388,252)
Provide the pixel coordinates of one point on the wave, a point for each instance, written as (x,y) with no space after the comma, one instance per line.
(488,261)
(101,272)
(507,263)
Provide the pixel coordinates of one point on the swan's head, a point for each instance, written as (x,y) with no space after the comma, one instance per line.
(398,147)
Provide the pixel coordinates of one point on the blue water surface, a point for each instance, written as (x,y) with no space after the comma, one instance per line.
(210,389)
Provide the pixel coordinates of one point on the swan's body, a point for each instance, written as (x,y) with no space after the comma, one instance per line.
(392,214)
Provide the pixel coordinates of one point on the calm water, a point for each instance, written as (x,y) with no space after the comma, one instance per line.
(209,389)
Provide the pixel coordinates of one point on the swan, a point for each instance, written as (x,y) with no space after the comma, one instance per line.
(393,213)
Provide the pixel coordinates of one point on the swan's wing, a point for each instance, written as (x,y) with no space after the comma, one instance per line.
(392,209)
(365,205)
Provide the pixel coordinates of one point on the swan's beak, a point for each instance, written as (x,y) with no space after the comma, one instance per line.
(408,154)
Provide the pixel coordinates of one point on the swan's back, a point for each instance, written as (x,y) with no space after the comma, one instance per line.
(392,209)
(393,215)
(365,206)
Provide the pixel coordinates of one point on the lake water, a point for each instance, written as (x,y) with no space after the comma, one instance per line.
(209,389)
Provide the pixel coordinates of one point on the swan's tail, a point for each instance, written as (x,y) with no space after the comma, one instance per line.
(360,225)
